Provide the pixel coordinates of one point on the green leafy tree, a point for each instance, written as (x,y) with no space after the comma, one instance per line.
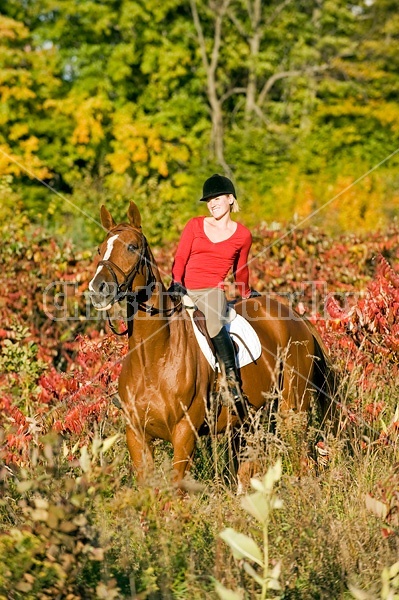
(120,99)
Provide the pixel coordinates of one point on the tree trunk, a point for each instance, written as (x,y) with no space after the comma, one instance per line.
(255,13)
(210,65)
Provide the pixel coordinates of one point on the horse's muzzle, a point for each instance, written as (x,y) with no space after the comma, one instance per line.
(102,294)
(100,302)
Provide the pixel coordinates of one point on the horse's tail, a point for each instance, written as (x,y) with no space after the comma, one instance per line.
(325,381)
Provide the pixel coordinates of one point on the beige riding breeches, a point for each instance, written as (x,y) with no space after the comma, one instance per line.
(212,302)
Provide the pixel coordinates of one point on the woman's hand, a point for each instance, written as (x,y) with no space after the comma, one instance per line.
(176,291)
(254,294)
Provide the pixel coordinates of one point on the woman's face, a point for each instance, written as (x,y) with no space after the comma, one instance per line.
(220,205)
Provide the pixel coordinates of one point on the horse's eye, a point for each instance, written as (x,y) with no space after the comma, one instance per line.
(131,247)
(98,250)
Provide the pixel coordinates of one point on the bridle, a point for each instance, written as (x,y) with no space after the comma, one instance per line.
(123,290)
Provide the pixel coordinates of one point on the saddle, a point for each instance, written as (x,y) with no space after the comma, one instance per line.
(245,339)
(200,322)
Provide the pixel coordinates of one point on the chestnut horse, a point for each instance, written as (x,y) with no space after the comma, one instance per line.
(166,383)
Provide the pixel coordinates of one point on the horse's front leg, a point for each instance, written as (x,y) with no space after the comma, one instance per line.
(141,453)
(183,440)
(245,457)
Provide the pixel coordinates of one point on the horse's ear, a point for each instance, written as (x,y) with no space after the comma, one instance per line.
(134,215)
(106,219)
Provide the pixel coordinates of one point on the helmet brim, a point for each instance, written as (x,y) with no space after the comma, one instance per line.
(222,193)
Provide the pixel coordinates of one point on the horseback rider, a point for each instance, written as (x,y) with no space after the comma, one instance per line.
(209,247)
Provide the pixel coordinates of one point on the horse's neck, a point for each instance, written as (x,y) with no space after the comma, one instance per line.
(147,329)
(156,338)
(163,330)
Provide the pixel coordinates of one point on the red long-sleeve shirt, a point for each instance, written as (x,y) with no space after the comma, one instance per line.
(201,263)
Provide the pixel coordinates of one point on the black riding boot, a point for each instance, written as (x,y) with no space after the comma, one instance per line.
(226,356)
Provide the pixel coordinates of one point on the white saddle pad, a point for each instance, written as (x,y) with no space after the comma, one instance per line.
(241,332)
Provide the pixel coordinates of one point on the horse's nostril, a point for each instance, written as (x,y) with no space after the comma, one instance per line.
(103,288)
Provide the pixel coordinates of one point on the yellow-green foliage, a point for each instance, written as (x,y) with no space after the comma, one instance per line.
(345,204)
(26,571)
(104,116)
(259,506)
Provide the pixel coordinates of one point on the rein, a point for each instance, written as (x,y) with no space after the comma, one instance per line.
(123,289)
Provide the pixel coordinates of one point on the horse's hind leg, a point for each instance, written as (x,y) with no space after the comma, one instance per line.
(140,452)
(296,391)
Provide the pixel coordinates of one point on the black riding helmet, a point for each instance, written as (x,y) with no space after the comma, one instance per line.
(217,185)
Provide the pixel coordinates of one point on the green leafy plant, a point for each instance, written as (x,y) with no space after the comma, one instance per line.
(389,586)
(259,505)
(51,547)
(20,356)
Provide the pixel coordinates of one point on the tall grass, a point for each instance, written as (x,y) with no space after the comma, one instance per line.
(87,531)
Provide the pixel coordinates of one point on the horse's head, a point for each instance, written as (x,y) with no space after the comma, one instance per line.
(123,260)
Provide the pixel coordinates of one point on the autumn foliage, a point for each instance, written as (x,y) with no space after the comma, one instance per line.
(58,369)
(60,365)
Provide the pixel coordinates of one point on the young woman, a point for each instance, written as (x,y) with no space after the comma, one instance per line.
(209,248)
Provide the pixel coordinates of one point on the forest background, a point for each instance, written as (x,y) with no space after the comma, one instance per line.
(122,99)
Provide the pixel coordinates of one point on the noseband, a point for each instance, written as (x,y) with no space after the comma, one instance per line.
(123,289)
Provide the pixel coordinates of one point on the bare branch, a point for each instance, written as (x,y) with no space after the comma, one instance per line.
(237,24)
(278,10)
(219,10)
(231,92)
(258,111)
(249,9)
(283,75)
(256,14)
(218,34)
(200,34)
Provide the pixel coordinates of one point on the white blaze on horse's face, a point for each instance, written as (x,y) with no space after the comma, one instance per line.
(108,252)
(100,294)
